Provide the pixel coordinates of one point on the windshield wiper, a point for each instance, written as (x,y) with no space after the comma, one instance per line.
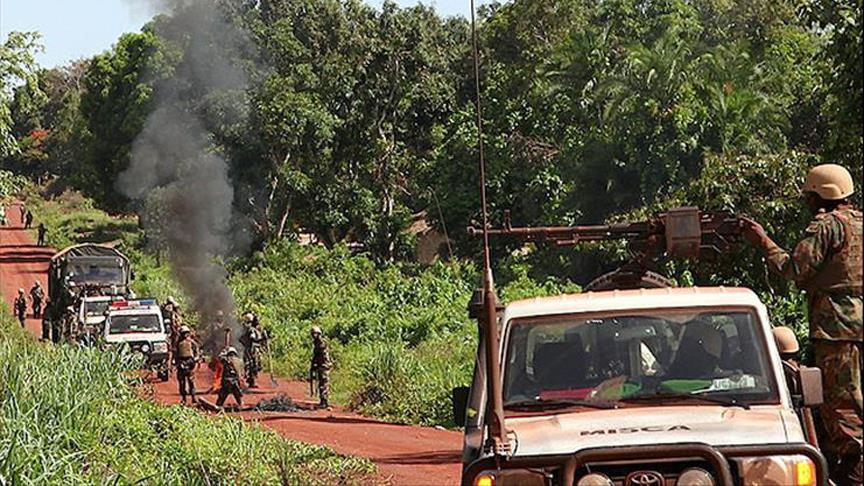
(559,403)
(726,402)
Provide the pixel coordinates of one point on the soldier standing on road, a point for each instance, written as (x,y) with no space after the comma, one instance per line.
(41,230)
(28,220)
(36,296)
(185,359)
(827,264)
(231,372)
(253,341)
(46,322)
(20,307)
(22,208)
(321,365)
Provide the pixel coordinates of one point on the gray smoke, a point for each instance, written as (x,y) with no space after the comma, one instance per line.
(175,167)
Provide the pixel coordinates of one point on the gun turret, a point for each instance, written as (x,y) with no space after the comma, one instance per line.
(684,232)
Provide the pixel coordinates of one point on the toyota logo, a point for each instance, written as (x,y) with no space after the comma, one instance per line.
(645,478)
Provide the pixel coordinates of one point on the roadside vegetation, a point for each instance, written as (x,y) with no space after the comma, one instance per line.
(76,416)
(348,124)
(399,333)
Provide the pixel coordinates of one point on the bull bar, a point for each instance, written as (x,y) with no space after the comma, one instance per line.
(717,457)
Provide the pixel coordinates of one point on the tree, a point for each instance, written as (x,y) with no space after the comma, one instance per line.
(17,66)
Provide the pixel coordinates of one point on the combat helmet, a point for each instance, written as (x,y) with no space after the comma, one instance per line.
(831,182)
(786,341)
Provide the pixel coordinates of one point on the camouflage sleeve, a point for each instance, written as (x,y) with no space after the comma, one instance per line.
(809,254)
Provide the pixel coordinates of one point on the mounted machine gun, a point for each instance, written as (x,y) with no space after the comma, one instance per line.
(683,232)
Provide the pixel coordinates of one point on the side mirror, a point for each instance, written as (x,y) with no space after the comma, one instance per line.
(811,386)
(459,398)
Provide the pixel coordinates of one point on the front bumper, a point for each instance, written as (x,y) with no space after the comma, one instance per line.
(563,469)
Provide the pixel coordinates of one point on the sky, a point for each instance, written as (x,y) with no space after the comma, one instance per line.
(74,29)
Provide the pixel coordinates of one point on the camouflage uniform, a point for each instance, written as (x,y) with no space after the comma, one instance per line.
(321,365)
(20,307)
(253,339)
(230,383)
(827,264)
(185,356)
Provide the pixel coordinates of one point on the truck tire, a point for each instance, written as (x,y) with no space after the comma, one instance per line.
(622,279)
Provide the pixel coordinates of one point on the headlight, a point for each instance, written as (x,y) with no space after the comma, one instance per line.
(793,470)
(145,348)
(510,477)
(160,347)
(696,476)
(594,479)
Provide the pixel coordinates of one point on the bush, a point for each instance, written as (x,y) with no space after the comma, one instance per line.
(71,416)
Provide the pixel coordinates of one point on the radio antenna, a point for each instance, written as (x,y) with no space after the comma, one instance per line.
(481,152)
(497,438)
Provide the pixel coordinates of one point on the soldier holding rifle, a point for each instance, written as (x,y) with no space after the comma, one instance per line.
(320,368)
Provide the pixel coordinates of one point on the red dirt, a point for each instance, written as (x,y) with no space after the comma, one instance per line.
(405,455)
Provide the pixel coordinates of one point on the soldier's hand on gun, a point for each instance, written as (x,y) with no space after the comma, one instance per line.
(752,231)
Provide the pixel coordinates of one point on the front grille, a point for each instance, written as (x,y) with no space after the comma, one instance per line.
(660,473)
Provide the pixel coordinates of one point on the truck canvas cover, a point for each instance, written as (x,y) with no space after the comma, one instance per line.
(88,264)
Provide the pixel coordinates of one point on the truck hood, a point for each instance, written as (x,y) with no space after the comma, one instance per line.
(135,337)
(566,433)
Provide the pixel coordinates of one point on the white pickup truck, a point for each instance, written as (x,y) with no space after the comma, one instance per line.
(649,387)
(139,324)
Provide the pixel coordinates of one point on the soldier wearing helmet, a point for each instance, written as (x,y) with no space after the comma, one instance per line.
(37,295)
(827,264)
(232,368)
(254,340)
(320,367)
(185,359)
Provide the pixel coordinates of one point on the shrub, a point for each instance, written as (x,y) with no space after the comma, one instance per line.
(70,415)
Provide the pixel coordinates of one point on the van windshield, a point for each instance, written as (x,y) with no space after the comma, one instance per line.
(638,356)
(95,308)
(125,324)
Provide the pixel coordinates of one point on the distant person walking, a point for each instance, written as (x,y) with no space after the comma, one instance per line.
(3,220)
(41,230)
(28,220)
(20,307)
(23,209)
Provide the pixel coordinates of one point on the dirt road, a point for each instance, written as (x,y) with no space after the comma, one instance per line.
(405,455)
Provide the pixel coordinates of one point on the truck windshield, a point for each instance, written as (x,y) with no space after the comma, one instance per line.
(95,274)
(648,357)
(124,324)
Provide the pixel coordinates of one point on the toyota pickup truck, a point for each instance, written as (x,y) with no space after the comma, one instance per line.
(139,324)
(645,387)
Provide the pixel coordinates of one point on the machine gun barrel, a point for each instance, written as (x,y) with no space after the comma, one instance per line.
(684,232)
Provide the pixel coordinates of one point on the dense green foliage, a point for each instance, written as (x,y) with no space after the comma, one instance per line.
(399,333)
(341,122)
(73,416)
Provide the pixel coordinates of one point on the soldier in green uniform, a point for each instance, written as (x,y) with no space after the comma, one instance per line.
(321,365)
(827,264)
(253,340)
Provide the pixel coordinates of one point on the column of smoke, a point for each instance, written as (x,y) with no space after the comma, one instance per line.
(173,162)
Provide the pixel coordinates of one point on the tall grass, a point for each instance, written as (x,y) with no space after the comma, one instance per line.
(399,333)
(72,416)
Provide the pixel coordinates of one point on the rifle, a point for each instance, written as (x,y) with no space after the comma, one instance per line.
(313,377)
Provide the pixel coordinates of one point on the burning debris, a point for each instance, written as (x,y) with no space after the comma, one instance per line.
(279,403)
